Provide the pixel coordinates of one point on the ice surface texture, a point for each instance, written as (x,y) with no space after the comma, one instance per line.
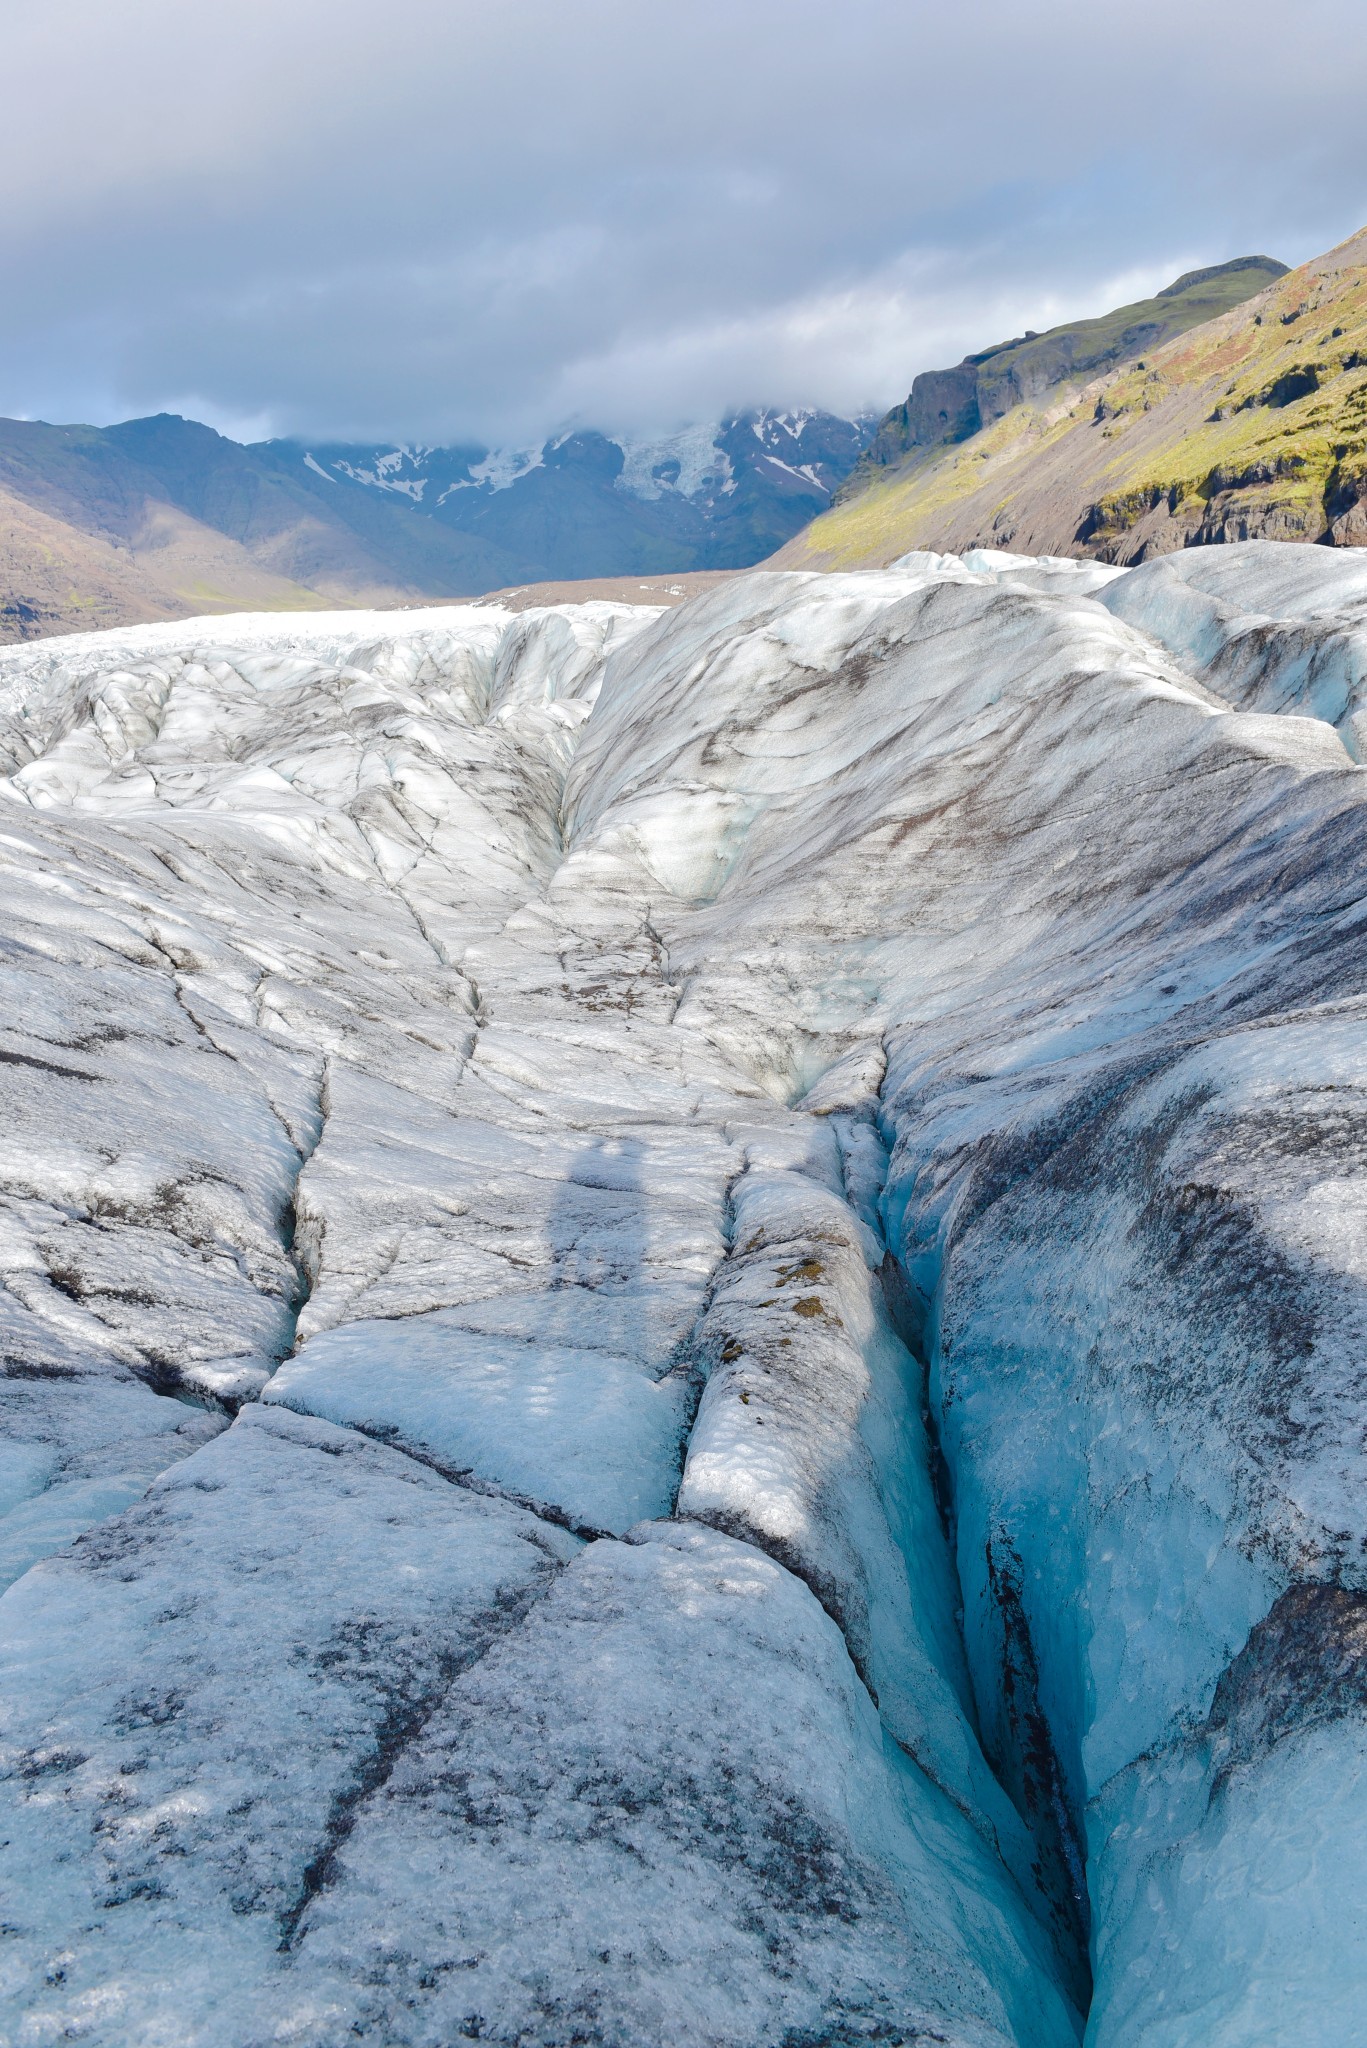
(684,1318)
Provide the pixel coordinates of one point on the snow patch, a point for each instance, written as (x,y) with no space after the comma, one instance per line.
(689,463)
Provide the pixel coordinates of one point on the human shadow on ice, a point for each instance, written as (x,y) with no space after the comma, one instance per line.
(557,1394)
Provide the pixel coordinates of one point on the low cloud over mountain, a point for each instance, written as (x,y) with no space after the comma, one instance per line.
(162,517)
(450,221)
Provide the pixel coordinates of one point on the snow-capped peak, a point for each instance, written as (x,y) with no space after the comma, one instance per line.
(385,471)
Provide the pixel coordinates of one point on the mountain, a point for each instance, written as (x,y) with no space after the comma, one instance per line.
(715,497)
(684,1315)
(163,517)
(952,405)
(1253,424)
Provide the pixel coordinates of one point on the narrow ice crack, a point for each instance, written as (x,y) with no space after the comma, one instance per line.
(393,890)
(289,1235)
(470,1481)
(403,1724)
(1035,1765)
(691,1360)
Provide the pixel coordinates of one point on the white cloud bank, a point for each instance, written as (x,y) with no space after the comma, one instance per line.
(441,220)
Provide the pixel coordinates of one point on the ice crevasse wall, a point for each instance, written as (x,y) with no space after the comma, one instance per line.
(684,1317)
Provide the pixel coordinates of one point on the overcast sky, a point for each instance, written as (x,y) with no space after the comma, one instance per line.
(440,220)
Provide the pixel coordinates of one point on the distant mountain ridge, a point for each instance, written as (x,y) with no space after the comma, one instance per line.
(591,504)
(162,517)
(1248,426)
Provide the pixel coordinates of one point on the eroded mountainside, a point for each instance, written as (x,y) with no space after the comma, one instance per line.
(945,406)
(684,1318)
(1252,425)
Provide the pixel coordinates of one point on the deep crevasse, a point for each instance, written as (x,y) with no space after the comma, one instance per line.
(945,862)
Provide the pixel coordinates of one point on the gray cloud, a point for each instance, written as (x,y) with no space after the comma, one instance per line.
(438,220)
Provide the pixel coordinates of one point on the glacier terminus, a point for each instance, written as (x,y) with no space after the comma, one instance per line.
(685,1317)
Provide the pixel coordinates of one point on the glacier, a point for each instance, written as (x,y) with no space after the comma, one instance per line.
(684,1317)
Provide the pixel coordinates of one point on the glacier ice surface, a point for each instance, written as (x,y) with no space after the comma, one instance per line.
(683,1317)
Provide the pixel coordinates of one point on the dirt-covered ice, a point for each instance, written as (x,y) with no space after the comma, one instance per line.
(684,1318)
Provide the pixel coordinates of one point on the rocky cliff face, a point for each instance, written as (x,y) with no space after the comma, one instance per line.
(684,1314)
(946,406)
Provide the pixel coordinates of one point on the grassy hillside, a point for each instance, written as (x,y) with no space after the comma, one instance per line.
(950,405)
(1251,425)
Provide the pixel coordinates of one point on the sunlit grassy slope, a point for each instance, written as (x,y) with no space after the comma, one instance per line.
(1253,424)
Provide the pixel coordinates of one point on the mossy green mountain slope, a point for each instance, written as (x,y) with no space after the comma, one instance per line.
(1251,425)
(950,405)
